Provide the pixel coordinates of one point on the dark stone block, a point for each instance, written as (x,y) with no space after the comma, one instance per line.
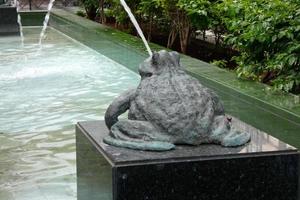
(264,169)
(8,21)
(94,172)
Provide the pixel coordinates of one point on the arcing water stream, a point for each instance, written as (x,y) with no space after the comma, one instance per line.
(16,3)
(46,21)
(136,25)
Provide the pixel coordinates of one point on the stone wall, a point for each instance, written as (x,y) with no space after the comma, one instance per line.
(8,20)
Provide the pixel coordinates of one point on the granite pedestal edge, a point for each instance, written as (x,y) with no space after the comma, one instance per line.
(264,169)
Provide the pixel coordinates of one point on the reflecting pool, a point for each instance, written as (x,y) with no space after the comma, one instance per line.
(44,92)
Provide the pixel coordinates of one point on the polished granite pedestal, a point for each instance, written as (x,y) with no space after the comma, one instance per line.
(8,20)
(264,169)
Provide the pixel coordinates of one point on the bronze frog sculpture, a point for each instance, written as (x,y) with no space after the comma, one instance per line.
(169,107)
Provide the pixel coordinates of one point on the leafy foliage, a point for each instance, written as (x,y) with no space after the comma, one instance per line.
(267,35)
(220,63)
(90,8)
(198,11)
(151,13)
(81,13)
(118,12)
(204,15)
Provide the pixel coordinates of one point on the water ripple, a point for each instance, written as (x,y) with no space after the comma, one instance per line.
(42,96)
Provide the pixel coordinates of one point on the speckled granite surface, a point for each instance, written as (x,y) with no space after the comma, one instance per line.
(264,169)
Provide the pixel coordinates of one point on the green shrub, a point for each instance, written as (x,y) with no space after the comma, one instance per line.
(204,15)
(267,35)
(220,63)
(81,13)
(116,10)
(90,7)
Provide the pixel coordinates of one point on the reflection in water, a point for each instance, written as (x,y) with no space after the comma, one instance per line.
(38,164)
(42,96)
(263,141)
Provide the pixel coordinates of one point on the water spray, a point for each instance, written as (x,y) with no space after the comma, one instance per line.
(46,20)
(16,4)
(136,25)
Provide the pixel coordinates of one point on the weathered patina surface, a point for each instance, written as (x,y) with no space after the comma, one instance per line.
(169,107)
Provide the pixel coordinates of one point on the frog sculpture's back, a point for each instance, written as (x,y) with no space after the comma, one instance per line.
(169,107)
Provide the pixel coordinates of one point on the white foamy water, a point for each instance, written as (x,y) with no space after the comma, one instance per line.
(136,25)
(42,97)
(31,72)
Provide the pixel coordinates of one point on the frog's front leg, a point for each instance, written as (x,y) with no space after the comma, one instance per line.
(140,135)
(119,106)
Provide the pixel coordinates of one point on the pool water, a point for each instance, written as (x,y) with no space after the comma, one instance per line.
(44,92)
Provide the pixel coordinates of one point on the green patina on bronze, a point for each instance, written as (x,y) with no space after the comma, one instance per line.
(169,107)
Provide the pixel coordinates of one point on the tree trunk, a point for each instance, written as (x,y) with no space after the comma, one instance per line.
(172,37)
(218,39)
(181,25)
(102,14)
(184,36)
(184,31)
(91,13)
(204,35)
(150,28)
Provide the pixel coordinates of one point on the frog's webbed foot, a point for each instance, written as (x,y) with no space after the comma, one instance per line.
(140,135)
(235,138)
(227,136)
